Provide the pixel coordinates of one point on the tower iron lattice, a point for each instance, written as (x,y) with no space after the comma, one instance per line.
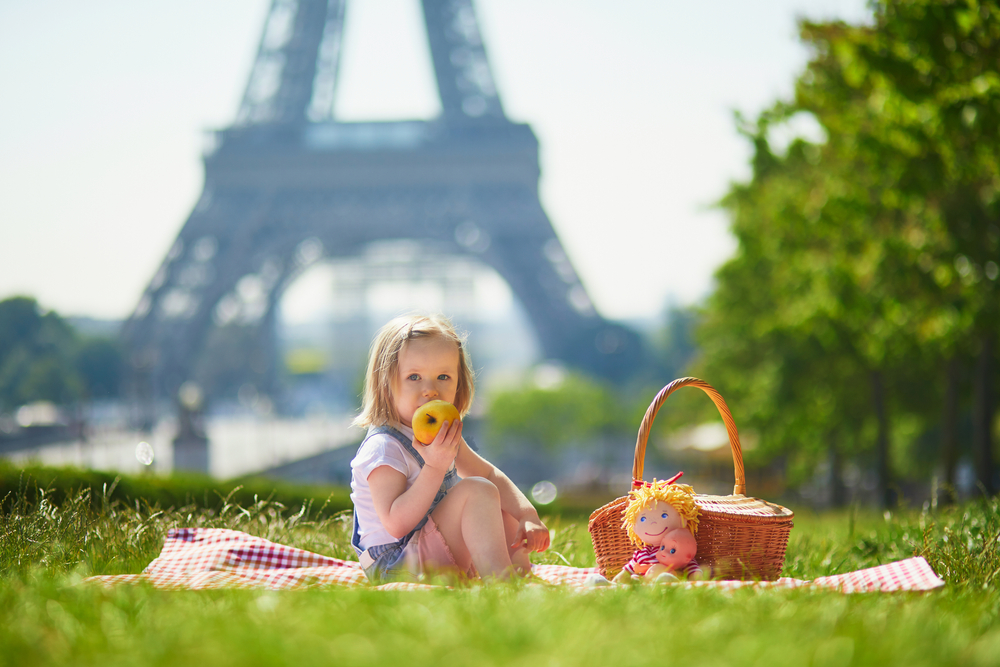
(287,185)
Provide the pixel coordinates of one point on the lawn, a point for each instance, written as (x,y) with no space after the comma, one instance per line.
(49,616)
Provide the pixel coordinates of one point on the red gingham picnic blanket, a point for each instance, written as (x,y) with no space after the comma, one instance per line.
(204,558)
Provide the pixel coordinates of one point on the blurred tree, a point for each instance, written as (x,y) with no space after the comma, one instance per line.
(36,352)
(927,72)
(42,358)
(869,261)
(791,330)
(99,363)
(578,409)
(48,379)
(20,320)
(676,346)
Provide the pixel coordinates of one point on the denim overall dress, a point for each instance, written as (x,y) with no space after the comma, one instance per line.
(387,558)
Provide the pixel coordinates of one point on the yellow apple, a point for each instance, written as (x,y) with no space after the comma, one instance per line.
(428,418)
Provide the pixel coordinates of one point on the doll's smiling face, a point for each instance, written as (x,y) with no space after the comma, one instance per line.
(653,522)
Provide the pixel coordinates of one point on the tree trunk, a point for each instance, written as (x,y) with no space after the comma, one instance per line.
(982,416)
(886,492)
(949,432)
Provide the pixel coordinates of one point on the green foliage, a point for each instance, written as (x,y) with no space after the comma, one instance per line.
(35,355)
(867,262)
(42,358)
(577,410)
(99,362)
(676,346)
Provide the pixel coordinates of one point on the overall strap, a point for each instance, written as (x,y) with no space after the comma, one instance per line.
(403,440)
(450,478)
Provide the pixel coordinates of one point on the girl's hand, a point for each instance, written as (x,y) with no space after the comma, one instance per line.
(441,453)
(531,534)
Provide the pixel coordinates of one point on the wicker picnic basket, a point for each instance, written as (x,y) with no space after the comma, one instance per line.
(738,537)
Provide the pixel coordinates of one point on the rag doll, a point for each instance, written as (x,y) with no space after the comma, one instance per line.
(661,519)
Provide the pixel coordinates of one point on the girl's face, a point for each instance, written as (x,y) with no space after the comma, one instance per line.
(428,370)
(654,522)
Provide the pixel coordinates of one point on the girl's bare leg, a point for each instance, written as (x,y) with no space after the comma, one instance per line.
(519,555)
(472,524)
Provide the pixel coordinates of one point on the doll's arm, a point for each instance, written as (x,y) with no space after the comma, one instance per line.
(633,570)
(622,577)
(659,574)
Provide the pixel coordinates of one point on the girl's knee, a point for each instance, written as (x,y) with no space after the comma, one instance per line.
(477,487)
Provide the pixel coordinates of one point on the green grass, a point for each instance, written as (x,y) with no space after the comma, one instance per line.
(48,616)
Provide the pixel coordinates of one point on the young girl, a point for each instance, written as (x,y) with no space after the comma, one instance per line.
(438,507)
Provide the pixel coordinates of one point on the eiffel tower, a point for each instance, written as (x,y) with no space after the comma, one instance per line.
(287,185)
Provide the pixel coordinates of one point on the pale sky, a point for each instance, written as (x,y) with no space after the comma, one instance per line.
(103,105)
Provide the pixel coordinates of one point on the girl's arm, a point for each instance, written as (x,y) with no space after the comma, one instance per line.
(531,531)
(399,508)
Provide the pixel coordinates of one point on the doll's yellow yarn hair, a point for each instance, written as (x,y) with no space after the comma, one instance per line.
(678,496)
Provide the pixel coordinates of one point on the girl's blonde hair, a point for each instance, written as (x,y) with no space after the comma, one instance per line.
(378,408)
(679,496)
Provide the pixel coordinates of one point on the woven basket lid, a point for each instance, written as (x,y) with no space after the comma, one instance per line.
(743,507)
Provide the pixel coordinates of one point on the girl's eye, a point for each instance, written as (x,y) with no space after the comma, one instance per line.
(444,376)
(413,376)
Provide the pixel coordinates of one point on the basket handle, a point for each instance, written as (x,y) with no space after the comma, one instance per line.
(740,487)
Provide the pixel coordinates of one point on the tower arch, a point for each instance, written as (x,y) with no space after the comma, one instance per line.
(287,185)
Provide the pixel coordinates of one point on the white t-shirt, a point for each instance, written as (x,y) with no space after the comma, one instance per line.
(379,450)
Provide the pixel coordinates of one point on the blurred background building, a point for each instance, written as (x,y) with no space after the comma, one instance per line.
(288,185)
